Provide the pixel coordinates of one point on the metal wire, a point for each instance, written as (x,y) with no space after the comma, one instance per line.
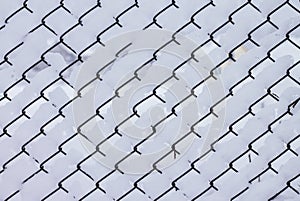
(78,58)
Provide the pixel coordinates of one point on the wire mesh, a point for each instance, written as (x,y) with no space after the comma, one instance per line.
(30,71)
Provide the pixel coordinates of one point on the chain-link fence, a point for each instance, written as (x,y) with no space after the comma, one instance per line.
(217,121)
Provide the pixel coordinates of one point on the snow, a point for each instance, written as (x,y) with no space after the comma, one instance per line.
(264,142)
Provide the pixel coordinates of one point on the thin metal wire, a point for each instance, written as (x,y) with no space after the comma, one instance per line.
(78,59)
